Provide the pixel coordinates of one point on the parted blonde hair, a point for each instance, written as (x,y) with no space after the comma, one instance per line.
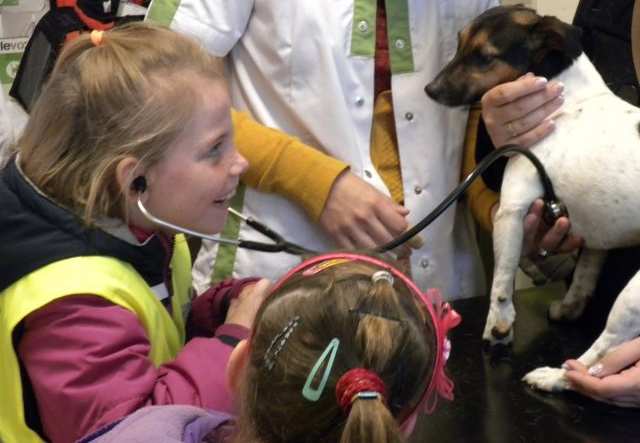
(131,95)
(381,327)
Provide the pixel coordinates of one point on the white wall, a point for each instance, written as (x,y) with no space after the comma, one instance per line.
(563,9)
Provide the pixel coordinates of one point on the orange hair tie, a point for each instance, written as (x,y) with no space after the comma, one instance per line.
(96,37)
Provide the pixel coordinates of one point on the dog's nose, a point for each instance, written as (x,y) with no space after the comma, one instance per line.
(430,90)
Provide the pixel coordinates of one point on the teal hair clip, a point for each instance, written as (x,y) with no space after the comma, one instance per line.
(313,394)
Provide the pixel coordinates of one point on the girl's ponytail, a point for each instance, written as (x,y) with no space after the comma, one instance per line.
(362,396)
(370,420)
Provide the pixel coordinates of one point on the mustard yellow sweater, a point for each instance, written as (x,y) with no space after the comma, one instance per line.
(480,198)
(279,163)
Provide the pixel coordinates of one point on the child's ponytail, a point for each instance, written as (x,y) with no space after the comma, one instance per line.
(370,420)
(362,396)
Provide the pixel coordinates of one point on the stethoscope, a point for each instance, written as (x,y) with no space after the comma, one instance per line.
(553,209)
(279,243)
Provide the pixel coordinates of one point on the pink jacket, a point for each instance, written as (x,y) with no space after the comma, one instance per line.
(87,361)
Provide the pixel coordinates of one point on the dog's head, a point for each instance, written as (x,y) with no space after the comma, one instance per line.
(500,45)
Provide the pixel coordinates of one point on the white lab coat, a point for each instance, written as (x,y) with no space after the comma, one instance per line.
(12,121)
(290,67)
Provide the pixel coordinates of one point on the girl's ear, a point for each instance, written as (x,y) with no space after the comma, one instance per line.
(236,366)
(126,172)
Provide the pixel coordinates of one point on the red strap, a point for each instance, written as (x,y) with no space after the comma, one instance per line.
(71,36)
(90,22)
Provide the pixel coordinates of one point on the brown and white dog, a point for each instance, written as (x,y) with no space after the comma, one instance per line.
(593,159)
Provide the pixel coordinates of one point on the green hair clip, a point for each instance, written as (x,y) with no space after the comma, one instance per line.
(313,394)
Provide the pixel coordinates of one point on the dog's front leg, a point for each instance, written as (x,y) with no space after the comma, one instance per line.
(584,282)
(507,246)
(623,324)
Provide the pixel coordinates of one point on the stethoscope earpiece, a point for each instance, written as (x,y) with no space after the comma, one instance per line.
(139,184)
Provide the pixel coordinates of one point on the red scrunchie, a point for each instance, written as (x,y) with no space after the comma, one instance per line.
(355,381)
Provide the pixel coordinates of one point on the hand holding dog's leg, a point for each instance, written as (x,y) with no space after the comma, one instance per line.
(623,325)
(518,111)
(357,215)
(614,379)
(618,358)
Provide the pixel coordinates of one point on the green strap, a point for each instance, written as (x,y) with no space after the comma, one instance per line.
(363,33)
(162,11)
(399,36)
(226,256)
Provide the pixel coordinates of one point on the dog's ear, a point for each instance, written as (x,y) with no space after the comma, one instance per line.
(553,45)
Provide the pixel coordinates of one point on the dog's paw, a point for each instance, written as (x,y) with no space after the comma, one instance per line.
(499,326)
(547,379)
(489,336)
(559,311)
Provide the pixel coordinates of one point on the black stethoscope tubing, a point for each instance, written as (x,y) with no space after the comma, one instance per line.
(551,201)
(553,210)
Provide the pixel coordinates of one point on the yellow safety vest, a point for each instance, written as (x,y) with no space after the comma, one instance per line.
(107,277)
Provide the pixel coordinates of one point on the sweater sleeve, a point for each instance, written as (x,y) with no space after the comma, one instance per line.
(480,197)
(91,356)
(282,164)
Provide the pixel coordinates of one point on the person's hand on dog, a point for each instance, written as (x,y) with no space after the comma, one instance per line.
(243,308)
(519,112)
(538,236)
(615,379)
(357,215)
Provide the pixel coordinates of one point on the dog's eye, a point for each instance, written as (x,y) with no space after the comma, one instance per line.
(480,59)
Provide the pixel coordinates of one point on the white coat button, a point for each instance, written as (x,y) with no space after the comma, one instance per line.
(424,263)
(399,43)
(417,190)
(368,173)
(408,116)
(363,26)
(359,101)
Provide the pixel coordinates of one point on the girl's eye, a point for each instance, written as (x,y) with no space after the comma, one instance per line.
(215,150)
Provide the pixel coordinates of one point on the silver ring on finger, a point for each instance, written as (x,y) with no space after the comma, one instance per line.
(543,253)
(510,130)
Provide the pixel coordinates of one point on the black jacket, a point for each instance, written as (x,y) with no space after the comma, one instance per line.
(34,232)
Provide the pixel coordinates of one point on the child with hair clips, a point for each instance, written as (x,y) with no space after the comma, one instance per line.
(344,349)
(95,300)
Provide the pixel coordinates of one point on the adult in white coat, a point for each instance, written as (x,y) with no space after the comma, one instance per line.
(307,68)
